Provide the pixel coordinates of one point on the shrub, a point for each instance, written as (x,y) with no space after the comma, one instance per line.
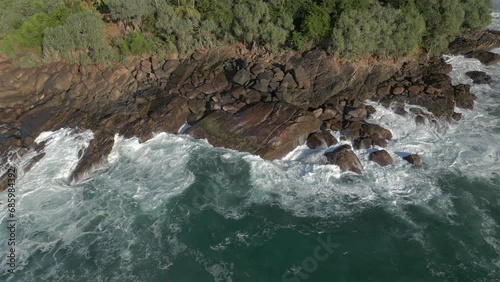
(477,13)
(130,11)
(15,12)
(7,47)
(381,31)
(219,12)
(299,41)
(80,38)
(135,44)
(253,24)
(316,24)
(185,33)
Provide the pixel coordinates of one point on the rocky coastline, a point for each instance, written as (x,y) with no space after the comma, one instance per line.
(263,105)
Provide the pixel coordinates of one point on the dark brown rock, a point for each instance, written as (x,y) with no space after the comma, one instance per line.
(398,90)
(370,110)
(381,157)
(320,140)
(362,143)
(457,116)
(252,97)
(252,130)
(98,149)
(197,106)
(374,130)
(384,90)
(301,77)
(463,98)
(288,81)
(345,159)
(475,39)
(261,85)
(242,77)
(328,114)
(58,83)
(414,159)
(414,89)
(485,57)
(479,77)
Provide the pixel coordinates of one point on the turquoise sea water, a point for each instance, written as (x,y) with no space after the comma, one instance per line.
(177,209)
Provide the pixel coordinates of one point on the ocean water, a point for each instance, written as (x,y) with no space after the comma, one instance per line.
(177,209)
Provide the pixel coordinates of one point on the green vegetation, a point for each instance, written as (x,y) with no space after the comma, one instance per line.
(135,44)
(101,31)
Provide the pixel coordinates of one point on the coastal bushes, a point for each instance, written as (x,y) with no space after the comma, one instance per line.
(381,31)
(349,28)
(80,38)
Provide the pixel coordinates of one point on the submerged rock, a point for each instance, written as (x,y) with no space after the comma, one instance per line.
(345,159)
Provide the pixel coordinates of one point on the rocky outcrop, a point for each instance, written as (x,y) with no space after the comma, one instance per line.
(479,77)
(426,85)
(472,40)
(381,157)
(259,104)
(345,159)
(485,57)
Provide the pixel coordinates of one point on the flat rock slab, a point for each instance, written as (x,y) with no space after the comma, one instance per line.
(270,130)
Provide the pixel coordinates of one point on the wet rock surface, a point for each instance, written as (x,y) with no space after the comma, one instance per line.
(413,159)
(345,159)
(381,157)
(479,77)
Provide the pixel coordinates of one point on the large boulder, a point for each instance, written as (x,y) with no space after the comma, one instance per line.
(321,140)
(58,83)
(270,130)
(479,77)
(381,157)
(345,159)
(374,130)
(242,77)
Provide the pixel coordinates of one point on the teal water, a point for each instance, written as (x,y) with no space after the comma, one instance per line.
(177,209)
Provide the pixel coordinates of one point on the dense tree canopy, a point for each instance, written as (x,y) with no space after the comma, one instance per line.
(350,28)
